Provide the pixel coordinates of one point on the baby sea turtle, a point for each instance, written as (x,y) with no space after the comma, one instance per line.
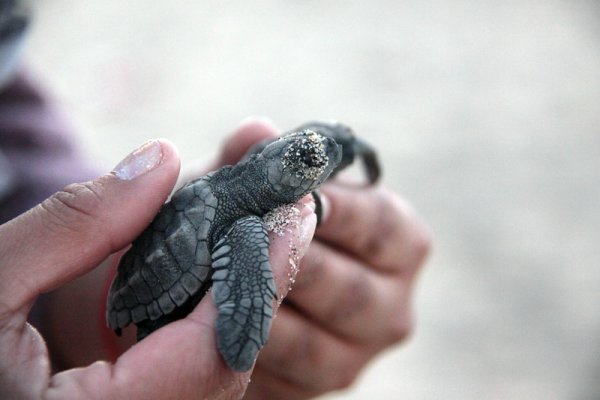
(211,233)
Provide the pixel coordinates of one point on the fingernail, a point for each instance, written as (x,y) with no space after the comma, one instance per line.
(144,159)
(306,230)
(325,208)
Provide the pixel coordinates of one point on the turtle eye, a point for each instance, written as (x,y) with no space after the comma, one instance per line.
(313,156)
(306,155)
(308,160)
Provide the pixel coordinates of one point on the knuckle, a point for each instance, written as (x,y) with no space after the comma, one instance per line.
(310,348)
(401,328)
(331,370)
(377,244)
(352,299)
(389,222)
(422,243)
(73,206)
(418,245)
(344,377)
(304,346)
(334,372)
(412,235)
(317,361)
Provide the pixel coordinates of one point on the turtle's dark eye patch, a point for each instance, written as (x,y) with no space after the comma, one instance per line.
(314,157)
(306,156)
(307,159)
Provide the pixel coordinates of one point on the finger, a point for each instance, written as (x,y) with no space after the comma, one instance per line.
(290,244)
(376,226)
(285,252)
(178,361)
(181,359)
(248,133)
(305,356)
(266,386)
(340,293)
(75,229)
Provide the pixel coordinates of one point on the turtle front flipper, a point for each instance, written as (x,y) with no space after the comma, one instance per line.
(243,291)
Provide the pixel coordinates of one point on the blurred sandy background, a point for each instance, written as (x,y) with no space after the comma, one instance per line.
(487,116)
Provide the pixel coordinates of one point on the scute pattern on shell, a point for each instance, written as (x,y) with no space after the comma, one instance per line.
(168,263)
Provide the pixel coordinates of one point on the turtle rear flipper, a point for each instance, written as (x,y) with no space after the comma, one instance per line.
(243,291)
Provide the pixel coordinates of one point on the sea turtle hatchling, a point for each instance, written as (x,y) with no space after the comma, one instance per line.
(211,232)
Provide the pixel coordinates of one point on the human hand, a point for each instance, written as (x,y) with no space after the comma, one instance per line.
(68,235)
(352,296)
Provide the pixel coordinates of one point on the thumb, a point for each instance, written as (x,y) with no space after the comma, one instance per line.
(75,229)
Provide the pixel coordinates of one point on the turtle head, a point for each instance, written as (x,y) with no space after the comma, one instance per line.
(299,163)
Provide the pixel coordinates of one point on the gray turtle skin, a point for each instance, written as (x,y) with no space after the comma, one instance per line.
(352,147)
(211,232)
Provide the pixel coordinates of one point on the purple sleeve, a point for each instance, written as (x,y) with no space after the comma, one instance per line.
(37,153)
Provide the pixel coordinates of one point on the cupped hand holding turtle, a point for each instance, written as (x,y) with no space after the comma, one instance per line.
(71,233)
(351,298)
(352,295)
